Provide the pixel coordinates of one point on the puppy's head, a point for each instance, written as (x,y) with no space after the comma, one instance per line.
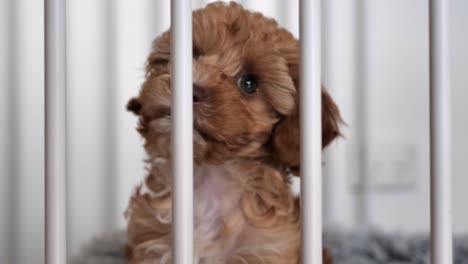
(245,90)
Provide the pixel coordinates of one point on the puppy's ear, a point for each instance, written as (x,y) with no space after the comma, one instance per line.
(134,105)
(286,135)
(331,119)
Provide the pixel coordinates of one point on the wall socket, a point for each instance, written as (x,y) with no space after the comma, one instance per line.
(392,165)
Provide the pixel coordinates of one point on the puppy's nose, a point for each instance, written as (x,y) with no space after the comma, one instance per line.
(198,94)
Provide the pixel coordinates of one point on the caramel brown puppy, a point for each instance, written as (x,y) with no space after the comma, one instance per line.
(246,140)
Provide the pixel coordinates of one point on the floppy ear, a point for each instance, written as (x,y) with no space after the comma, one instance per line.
(331,119)
(286,137)
(134,105)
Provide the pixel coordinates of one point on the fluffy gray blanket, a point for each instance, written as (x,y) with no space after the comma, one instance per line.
(346,248)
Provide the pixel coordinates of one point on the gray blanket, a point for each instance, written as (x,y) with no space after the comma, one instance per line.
(346,248)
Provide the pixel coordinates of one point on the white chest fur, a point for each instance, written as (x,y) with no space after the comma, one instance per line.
(218,217)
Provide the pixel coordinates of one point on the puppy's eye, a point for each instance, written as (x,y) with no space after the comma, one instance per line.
(247,83)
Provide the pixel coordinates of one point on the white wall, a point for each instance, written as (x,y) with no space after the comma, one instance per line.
(396,76)
(397,79)
(106,55)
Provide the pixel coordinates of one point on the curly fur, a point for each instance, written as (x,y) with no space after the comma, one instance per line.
(245,145)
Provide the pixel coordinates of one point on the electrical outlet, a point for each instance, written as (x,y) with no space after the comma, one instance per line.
(392,165)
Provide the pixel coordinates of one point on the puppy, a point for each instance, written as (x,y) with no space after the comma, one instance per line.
(246,142)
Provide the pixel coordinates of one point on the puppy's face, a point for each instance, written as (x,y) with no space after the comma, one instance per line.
(245,90)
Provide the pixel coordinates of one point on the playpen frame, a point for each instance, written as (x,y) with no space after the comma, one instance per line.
(311,199)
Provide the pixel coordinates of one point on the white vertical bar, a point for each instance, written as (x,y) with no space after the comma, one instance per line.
(182,131)
(311,131)
(55,131)
(14,113)
(441,220)
(328,171)
(110,109)
(362,217)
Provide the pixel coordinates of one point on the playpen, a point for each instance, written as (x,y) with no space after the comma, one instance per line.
(311,198)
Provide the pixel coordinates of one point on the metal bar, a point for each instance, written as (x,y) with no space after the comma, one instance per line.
(439,60)
(13,118)
(329,157)
(311,131)
(55,131)
(110,58)
(182,131)
(362,218)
